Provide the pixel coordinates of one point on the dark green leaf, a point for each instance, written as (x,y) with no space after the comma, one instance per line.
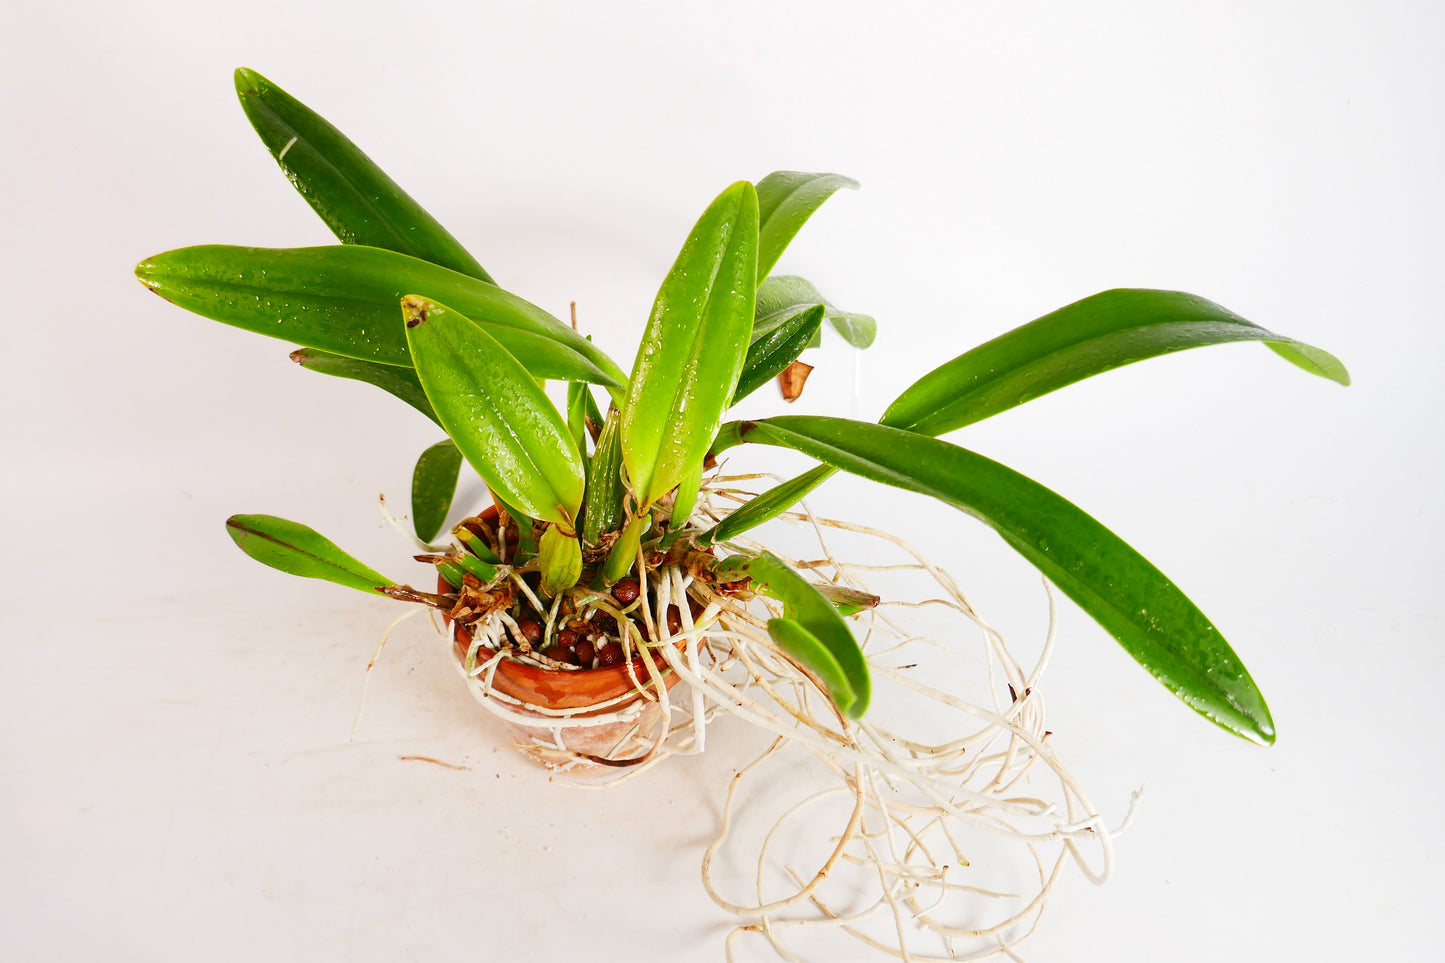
(354,197)
(1086,338)
(343,299)
(786,199)
(770,504)
(294,548)
(781,296)
(495,412)
(433,485)
(769,354)
(1127,595)
(692,351)
(398,381)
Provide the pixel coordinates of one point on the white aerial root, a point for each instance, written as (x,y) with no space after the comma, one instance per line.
(903,846)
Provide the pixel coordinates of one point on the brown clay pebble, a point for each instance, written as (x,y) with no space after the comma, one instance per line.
(674,620)
(561,654)
(531,630)
(609,655)
(626,591)
(567,638)
(586,652)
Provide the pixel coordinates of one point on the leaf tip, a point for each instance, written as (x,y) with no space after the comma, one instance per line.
(248,81)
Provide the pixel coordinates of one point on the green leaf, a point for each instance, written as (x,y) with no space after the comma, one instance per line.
(686,500)
(1083,339)
(560,559)
(400,382)
(692,351)
(433,485)
(769,505)
(624,550)
(782,295)
(495,412)
(786,199)
(1128,596)
(806,606)
(602,506)
(352,195)
(294,548)
(1088,337)
(485,572)
(779,347)
(577,398)
(343,299)
(808,649)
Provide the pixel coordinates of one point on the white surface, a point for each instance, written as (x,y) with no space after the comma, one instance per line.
(177,776)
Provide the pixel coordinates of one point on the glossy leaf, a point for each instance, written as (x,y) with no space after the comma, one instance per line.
(786,199)
(769,505)
(780,295)
(779,347)
(692,351)
(624,550)
(343,299)
(299,550)
(495,412)
(433,485)
(395,380)
(808,649)
(686,498)
(577,397)
(1128,596)
(805,605)
(1086,338)
(356,199)
(602,506)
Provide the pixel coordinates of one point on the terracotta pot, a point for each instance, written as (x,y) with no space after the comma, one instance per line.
(609,688)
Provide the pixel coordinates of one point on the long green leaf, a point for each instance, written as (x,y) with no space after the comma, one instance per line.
(356,199)
(782,295)
(1086,338)
(343,298)
(779,347)
(397,381)
(433,486)
(495,412)
(1128,596)
(786,199)
(294,548)
(692,351)
(805,605)
(769,505)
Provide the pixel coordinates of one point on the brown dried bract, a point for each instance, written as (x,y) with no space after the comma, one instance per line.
(793,378)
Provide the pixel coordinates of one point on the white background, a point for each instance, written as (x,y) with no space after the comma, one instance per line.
(176,779)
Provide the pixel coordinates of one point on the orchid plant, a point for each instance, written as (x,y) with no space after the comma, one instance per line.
(590,498)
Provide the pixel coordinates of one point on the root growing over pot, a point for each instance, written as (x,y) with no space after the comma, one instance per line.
(906,849)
